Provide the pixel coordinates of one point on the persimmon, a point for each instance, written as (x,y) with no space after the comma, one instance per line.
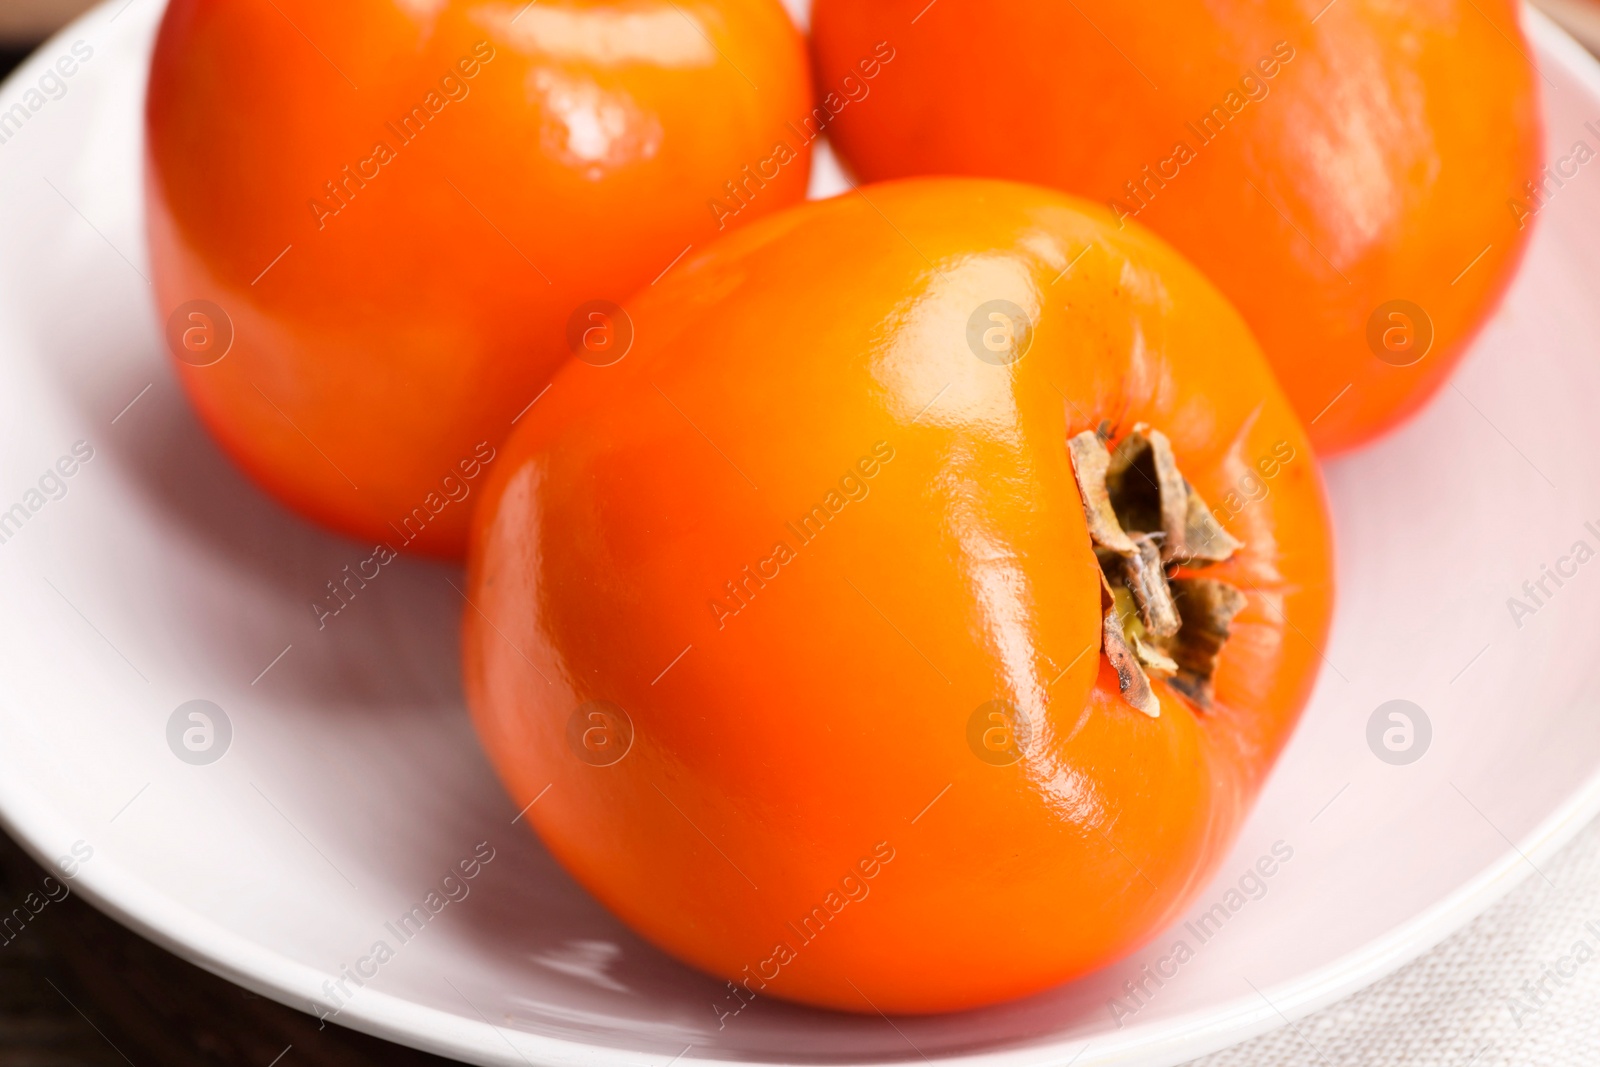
(1354,176)
(840,685)
(375,224)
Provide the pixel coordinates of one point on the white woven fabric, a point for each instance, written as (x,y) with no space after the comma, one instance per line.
(1518,986)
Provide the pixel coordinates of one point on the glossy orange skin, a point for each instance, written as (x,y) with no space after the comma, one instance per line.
(393,343)
(799,740)
(1379,164)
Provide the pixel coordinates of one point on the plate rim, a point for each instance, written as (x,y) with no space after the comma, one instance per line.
(135,904)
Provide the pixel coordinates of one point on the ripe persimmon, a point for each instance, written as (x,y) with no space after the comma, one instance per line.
(1348,174)
(378,227)
(841,686)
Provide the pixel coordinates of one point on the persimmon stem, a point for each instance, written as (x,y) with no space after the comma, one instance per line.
(1146,522)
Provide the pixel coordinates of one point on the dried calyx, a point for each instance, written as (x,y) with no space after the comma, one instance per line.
(1147,523)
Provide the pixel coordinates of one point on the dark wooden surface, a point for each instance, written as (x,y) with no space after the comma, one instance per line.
(10,56)
(78,990)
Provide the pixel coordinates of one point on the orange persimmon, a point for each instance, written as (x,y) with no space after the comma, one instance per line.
(797,612)
(378,227)
(1348,174)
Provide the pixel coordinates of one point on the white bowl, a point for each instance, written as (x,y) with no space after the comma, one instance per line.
(352,782)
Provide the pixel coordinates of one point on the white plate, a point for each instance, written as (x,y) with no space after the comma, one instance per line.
(353,781)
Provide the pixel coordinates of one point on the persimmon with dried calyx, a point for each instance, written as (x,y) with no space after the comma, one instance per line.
(377,228)
(1353,176)
(891,628)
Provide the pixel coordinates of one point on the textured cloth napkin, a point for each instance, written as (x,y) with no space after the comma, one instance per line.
(1520,985)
